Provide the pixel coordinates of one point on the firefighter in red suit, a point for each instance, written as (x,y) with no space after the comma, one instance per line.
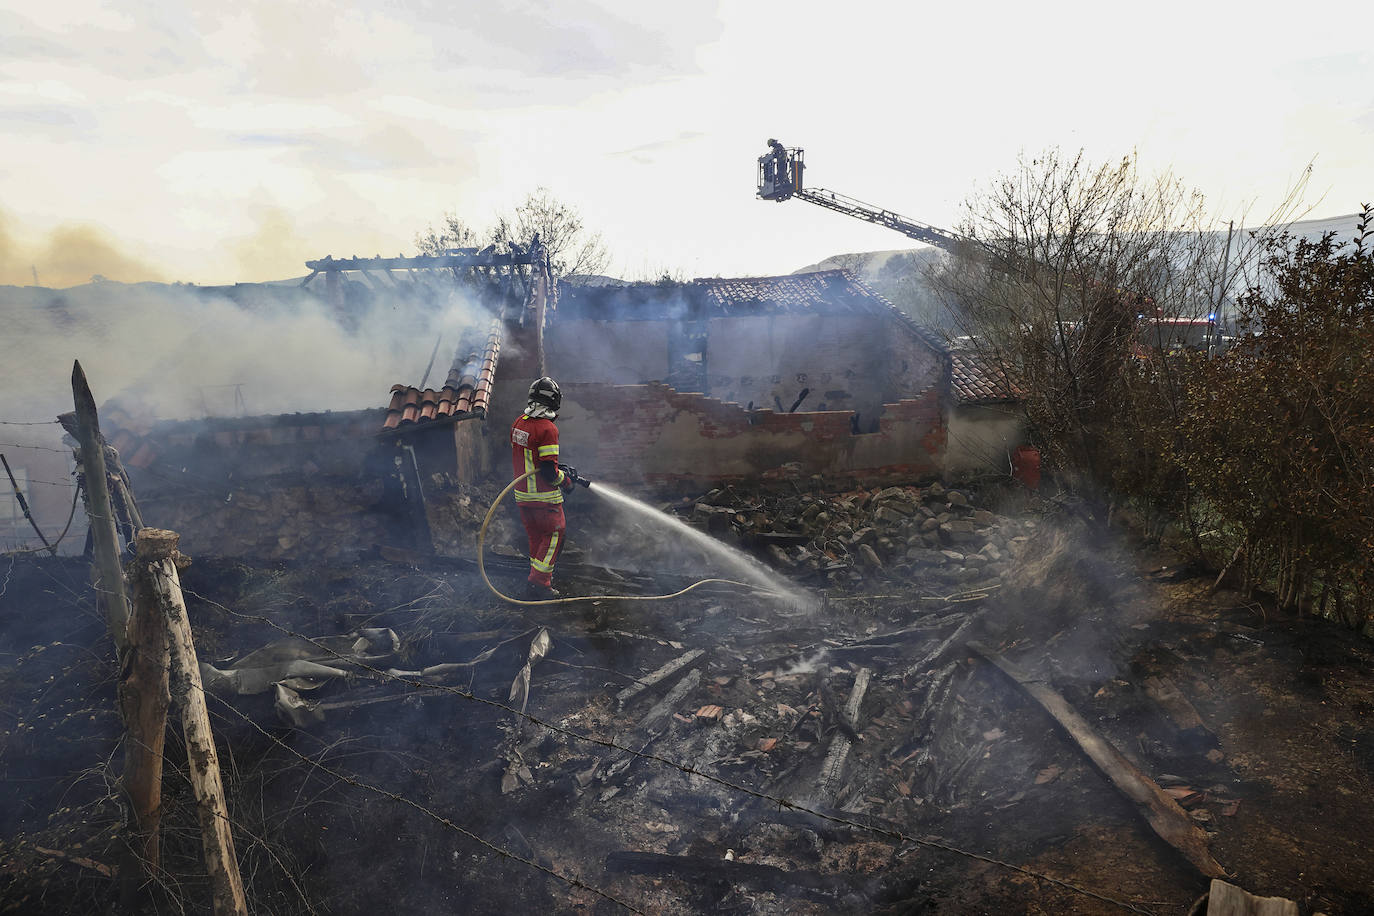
(534,447)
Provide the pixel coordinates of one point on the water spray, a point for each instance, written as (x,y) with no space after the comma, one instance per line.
(616,496)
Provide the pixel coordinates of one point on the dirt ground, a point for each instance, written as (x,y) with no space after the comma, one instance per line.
(963,796)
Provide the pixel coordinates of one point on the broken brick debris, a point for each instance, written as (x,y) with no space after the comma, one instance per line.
(849,537)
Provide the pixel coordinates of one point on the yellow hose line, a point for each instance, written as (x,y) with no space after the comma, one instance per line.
(482,566)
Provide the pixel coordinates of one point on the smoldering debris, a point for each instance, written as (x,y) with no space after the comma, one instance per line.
(663,749)
(853,537)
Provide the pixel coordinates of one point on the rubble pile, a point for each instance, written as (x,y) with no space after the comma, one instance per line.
(321,516)
(718,753)
(896,533)
(455,511)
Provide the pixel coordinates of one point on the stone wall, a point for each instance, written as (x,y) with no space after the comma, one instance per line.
(307,486)
(653,436)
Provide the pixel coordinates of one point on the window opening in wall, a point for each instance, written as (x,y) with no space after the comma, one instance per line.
(687,357)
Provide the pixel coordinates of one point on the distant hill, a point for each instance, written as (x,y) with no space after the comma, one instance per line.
(873,263)
(899,273)
(1343,226)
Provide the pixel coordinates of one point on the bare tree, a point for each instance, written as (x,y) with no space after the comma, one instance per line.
(573,250)
(855,263)
(1067,262)
(452,232)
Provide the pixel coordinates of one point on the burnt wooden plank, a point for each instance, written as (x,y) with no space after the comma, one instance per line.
(832,771)
(654,678)
(1181,712)
(1163,814)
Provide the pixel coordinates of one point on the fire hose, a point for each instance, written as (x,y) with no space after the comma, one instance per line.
(482,566)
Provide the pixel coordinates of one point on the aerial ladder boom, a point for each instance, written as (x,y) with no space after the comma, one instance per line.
(781,173)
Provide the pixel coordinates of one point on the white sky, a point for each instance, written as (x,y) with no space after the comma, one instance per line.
(214,142)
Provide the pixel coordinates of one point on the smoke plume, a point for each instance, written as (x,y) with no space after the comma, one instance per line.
(70,254)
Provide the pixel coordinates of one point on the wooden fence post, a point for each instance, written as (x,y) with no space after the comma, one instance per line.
(157,558)
(100,513)
(143,701)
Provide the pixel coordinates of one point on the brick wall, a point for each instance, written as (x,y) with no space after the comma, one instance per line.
(303,485)
(651,435)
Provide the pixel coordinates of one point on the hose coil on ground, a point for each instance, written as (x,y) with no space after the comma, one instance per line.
(482,566)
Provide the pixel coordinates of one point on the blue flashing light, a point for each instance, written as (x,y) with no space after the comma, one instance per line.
(1212,316)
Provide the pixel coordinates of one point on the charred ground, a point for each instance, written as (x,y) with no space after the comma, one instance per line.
(1279,768)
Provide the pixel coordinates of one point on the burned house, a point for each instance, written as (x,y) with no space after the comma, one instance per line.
(684,385)
(333,484)
(667,387)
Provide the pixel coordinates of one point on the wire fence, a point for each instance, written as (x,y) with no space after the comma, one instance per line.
(44,448)
(784,803)
(883,830)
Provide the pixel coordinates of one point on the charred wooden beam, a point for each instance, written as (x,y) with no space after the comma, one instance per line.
(618,762)
(1176,706)
(423,262)
(655,678)
(934,656)
(1169,821)
(664,707)
(832,771)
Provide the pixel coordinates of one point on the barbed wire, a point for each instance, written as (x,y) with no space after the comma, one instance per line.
(45,448)
(425,810)
(53,483)
(684,768)
(27,422)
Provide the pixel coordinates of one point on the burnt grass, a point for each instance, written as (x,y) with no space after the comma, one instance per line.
(953,753)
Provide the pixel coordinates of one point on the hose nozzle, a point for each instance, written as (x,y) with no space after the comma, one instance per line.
(571,473)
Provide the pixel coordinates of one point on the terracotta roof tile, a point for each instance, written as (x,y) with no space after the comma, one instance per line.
(976,379)
(822,292)
(466,391)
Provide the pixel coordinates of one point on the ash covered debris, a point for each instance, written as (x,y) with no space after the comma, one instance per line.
(720,714)
(933,533)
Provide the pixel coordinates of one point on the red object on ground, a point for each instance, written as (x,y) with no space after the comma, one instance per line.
(1025,466)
